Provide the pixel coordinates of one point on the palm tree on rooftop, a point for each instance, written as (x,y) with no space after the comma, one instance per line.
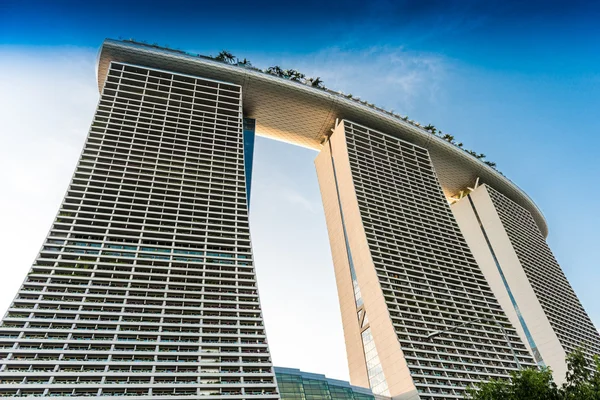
(448,138)
(298,76)
(316,82)
(226,57)
(430,128)
(245,63)
(275,70)
(293,75)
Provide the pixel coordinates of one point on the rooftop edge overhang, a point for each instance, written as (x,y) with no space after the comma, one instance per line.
(302,115)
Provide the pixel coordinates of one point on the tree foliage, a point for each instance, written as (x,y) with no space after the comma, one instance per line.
(582,382)
(226,57)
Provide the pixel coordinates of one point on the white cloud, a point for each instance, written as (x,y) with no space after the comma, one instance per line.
(390,77)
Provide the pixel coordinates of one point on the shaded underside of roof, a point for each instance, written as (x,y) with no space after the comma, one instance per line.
(302,115)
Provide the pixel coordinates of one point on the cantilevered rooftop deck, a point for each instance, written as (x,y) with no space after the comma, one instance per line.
(303,115)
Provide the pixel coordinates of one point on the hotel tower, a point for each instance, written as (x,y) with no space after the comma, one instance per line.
(145,285)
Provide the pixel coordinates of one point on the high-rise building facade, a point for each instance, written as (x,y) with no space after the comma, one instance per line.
(398,250)
(525,277)
(145,285)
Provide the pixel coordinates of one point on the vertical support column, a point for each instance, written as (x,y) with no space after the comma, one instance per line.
(374,354)
(329,194)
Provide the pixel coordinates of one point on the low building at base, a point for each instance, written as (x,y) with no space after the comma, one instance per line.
(299,385)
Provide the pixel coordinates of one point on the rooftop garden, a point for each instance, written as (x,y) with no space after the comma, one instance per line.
(316,82)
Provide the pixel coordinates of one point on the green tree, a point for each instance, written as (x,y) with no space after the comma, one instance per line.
(315,82)
(245,62)
(275,70)
(293,75)
(226,57)
(448,138)
(430,128)
(582,382)
(526,384)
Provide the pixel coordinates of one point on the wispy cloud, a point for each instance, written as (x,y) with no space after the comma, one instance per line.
(392,77)
(280,187)
(296,198)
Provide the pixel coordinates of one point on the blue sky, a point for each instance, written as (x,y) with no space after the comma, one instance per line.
(518,81)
